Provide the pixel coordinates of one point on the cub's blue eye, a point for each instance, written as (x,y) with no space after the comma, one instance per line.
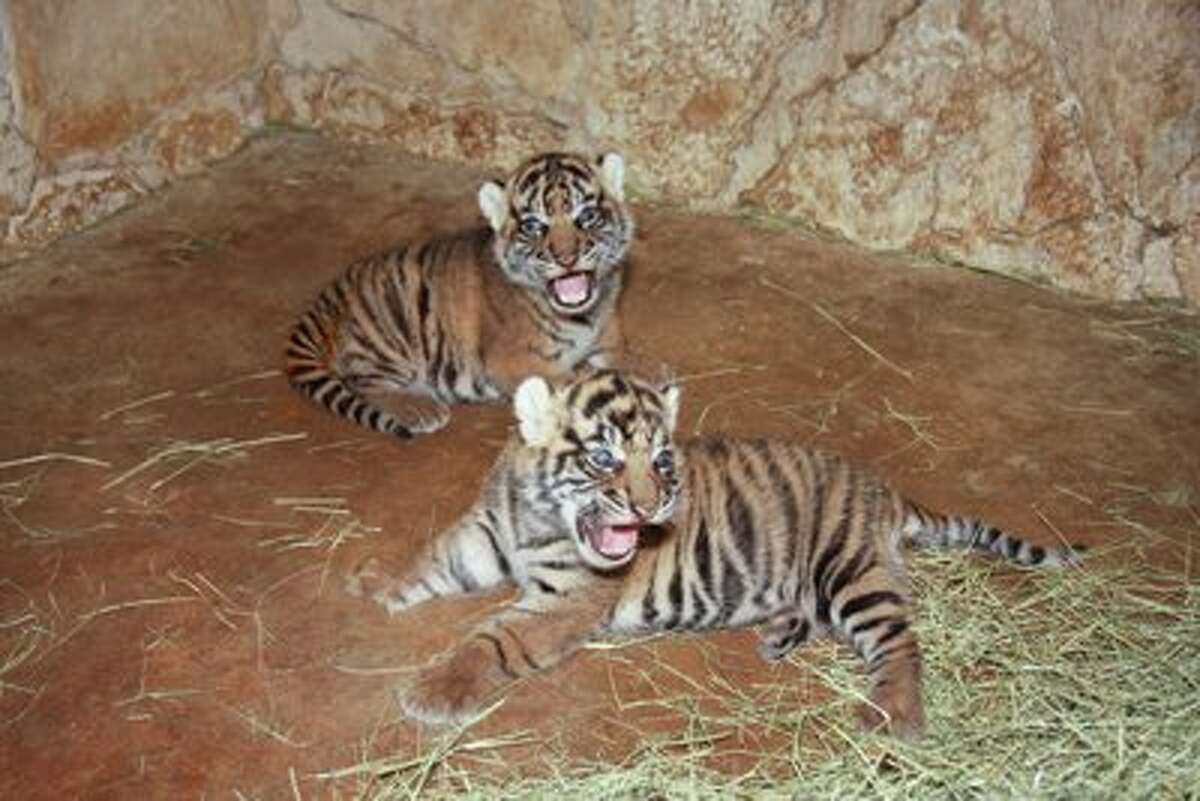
(603,459)
(532,227)
(664,462)
(589,217)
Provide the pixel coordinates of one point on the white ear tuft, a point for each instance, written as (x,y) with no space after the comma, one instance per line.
(612,174)
(538,411)
(671,396)
(494,204)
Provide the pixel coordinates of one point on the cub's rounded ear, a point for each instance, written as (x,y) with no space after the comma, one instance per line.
(612,174)
(539,412)
(493,202)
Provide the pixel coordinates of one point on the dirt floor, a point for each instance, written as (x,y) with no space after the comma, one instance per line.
(176,520)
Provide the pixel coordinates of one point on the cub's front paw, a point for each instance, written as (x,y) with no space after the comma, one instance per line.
(448,691)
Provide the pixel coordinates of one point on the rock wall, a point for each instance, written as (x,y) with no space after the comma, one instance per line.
(100,104)
(1056,140)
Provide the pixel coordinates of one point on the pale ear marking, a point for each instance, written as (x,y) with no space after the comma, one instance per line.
(671,396)
(537,411)
(611,168)
(493,202)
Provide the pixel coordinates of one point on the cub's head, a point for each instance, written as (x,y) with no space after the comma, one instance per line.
(561,226)
(603,456)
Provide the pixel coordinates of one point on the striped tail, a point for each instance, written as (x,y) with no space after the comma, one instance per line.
(309,370)
(931,530)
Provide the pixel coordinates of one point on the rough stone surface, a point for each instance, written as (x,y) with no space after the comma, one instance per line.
(103,108)
(17,158)
(1055,141)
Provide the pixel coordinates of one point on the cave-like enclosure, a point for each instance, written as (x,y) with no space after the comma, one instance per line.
(809,184)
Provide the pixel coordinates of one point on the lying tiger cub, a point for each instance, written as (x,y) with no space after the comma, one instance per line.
(401,335)
(609,525)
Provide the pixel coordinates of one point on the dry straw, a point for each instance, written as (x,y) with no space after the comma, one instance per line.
(1074,684)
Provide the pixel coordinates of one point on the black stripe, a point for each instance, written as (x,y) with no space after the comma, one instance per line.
(533,176)
(988,536)
(783,487)
(597,402)
(362,340)
(449,375)
(884,654)
(555,564)
(868,600)
(648,398)
(460,572)
(833,549)
(572,167)
(573,395)
(675,595)
(399,316)
(544,586)
(869,623)
(540,542)
(853,569)
(700,611)
(897,628)
(649,610)
(560,461)
(512,498)
(703,558)
(623,421)
(740,521)
(339,289)
(529,660)
(1012,548)
(500,655)
(423,314)
(836,544)
(398,429)
(505,567)
(732,590)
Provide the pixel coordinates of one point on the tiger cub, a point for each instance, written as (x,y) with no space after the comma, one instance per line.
(402,334)
(610,526)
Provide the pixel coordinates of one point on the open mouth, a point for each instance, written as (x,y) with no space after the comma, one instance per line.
(571,290)
(613,542)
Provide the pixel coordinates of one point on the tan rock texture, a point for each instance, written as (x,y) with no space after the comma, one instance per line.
(102,103)
(1055,141)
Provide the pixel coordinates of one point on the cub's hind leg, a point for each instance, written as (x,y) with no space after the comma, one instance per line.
(415,413)
(394,398)
(873,617)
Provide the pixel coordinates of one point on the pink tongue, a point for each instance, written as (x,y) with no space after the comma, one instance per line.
(617,540)
(571,289)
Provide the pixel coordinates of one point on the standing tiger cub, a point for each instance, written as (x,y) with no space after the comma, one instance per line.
(403,334)
(609,526)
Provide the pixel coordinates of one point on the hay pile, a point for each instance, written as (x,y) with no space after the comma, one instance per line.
(1075,684)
